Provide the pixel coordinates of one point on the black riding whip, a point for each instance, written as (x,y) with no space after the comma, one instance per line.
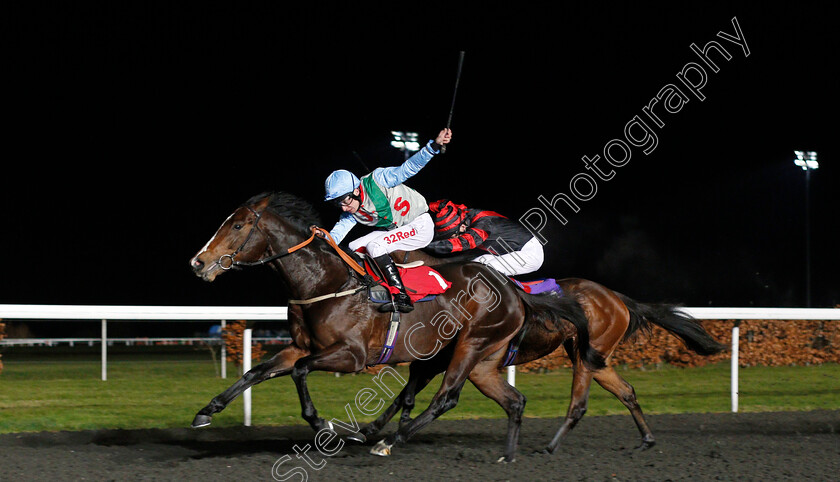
(454,93)
(359,158)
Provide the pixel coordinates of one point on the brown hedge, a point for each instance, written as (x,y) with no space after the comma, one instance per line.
(761,342)
(232,336)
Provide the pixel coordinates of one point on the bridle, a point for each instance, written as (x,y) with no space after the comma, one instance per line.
(316,231)
(233,264)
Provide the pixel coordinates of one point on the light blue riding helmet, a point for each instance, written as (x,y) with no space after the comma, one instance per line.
(339,184)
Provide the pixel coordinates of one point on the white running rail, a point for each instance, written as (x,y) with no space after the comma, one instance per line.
(203,313)
(149,313)
(739,314)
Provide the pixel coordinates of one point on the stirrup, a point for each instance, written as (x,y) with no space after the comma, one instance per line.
(402,302)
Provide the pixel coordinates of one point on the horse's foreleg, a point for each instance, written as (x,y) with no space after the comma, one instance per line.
(418,378)
(485,377)
(444,400)
(581,381)
(408,401)
(374,427)
(280,364)
(426,371)
(339,357)
(613,383)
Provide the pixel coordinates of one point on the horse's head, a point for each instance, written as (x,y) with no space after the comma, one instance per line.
(239,239)
(247,235)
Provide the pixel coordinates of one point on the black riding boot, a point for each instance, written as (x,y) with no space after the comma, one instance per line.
(392,276)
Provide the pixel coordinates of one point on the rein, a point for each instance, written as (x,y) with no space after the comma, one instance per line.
(316,231)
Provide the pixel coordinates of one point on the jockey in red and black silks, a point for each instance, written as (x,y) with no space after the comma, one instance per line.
(509,247)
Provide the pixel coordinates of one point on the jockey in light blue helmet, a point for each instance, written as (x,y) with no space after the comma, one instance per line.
(340,184)
(381,200)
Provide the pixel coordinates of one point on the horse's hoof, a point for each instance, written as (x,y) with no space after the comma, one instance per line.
(357,437)
(504,460)
(201,421)
(381,449)
(322,424)
(646,444)
(548,451)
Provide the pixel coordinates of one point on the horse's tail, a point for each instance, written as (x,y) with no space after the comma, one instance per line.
(550,307)
(669,317)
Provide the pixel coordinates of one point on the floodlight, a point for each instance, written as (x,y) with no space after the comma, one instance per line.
(405,141)
(806,160)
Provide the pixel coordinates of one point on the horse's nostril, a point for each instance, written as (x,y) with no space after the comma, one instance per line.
(196,264)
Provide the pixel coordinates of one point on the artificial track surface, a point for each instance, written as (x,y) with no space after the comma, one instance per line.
(742,446)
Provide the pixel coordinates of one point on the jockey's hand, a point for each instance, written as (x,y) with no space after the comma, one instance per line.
(317,231)
(444,137)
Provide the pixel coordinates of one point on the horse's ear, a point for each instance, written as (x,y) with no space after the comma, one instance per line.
(262,203)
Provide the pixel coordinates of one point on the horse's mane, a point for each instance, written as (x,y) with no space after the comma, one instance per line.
(299,212)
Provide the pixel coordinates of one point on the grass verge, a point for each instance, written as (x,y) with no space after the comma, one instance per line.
(68,395)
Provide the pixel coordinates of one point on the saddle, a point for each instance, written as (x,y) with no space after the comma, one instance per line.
(422,283)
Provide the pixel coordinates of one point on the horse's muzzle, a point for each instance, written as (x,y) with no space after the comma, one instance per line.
(201,270)
(197,265)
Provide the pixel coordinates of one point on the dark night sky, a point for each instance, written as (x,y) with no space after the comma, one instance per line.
(132,132)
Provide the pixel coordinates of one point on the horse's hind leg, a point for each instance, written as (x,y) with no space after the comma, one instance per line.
(485,377)
(613,383)
(280,364)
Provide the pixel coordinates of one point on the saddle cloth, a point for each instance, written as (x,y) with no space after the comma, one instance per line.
(420,282)
(538,286)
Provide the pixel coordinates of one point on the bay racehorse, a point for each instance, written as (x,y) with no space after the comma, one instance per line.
(343,332)
(612,318)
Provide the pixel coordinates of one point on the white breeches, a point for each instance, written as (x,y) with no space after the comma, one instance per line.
(526,260)
(414,235)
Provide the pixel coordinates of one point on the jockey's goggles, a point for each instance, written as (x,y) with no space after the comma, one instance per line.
(343,200)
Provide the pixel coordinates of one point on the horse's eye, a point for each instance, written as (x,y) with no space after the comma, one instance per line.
(237,227)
